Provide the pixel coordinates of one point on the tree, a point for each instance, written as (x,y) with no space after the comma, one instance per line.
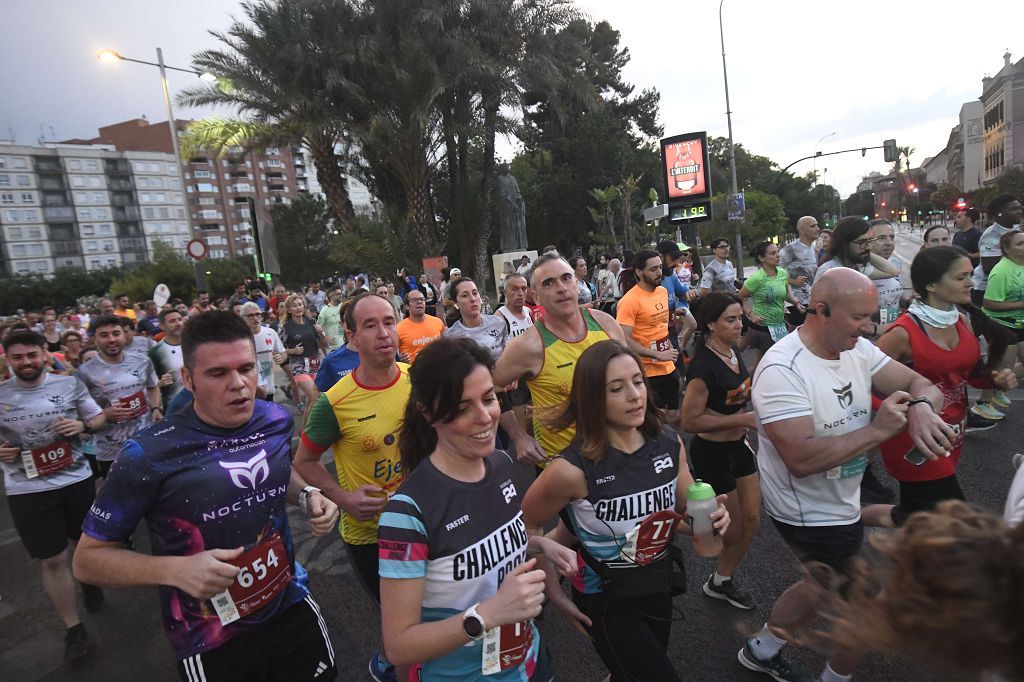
(303,232)
(605,217)
(860,203)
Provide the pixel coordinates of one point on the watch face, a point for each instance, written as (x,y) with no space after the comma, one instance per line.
(473,627)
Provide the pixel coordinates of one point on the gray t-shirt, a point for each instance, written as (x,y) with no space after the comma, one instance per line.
(26,421)
(719,277)
(124,382)
(800,260)
(267,343)
(492,333)
(890,290)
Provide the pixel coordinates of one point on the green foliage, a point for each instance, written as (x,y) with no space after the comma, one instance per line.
(303,234)
(32,292)
(861,203)
(765,219)
(168,268)
(379,246)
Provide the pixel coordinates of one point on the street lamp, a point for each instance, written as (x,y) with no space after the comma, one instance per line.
(732,151)
(816,144)
(109,56)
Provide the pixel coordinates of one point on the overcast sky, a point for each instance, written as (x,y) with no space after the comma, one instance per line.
(798,69)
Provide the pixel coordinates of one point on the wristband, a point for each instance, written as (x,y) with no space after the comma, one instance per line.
(915,401)
(304,498)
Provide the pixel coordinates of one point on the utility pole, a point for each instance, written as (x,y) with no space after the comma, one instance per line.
(732,150)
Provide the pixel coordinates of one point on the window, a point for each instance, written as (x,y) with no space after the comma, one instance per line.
(84,213)
(23,181)
(101,213)
(88,230)
(35,232)
(81,198)
(207,201)
(273,151)
(6,198)
(30,215)
(14,233)
(3,162)
(148,213)
(160,197)
(111,260)
(19,162)
(142,183)
(144,198)
(158,183)
(5,180)
(19,251)
(92,247)
(108,244)
(204,187)
(274,163)
(105,229)
(94,182)
(36,250)
(163,212)
(94,262)
(28,198)
(74,164)
(92,164)
(201,174)
(97,197)
(77,181)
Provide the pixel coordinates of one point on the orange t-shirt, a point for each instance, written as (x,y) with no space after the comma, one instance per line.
(647,313)
(415,336)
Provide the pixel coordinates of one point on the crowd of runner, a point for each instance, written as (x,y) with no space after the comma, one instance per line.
(653,395)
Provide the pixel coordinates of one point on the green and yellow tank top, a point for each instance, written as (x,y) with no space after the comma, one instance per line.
(550,388)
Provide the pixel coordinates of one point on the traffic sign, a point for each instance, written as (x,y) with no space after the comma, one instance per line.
(196,249)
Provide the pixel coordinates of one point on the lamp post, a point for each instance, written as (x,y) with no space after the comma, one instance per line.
(732,151)
(816,145)
(111,56)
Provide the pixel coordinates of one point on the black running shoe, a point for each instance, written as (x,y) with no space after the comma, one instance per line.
(977,423)
(776,667)
(729,592)
(93,597)
(77,644)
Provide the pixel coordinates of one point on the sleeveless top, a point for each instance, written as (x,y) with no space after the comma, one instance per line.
(623,490)
(949,370)
(550,388)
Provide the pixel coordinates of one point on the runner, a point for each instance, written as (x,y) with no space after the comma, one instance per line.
(166,355)
(936,235)
(361,416)
(303,341)
(329,319)
(937,340)
(449,592)
(717,391)
(799,259)
(622,485)
(47,479)
(678,299)
(1004,300)
(812,394)
(419,330)
(124,385)
(134,343)
(518,318)
(489,331)
(768,291)
(890,289)
(545,356)
(211,482)
(719,274)
(850,247)
(643,314)
(269,350)
(588,292)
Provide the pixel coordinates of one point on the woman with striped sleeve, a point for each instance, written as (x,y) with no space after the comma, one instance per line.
(458,591)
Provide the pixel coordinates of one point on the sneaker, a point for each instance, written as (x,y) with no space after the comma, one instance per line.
(93,597)
(77,644)
(976,423)
(776,667)
(986,411)
(1018,459)
(872,491)
(729,592)
(381,670)
(1001,400)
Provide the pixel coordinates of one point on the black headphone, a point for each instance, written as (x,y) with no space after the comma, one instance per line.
(826,311)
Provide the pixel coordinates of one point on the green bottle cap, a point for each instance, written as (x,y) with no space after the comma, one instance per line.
(699,490)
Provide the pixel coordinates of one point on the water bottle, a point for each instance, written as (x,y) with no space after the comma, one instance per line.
(700,502)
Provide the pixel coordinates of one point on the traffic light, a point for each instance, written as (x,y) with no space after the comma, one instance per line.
(961,204)
(889,151)
(911,187)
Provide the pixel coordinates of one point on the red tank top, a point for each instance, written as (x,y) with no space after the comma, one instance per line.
(947,369)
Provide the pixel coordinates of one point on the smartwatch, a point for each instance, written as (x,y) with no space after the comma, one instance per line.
(473,624)
(304,498)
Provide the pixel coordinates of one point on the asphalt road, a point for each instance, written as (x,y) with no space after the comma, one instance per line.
(131,643)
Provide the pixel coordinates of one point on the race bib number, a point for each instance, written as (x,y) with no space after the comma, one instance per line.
(136,402)
(855,467)
(264,571)
(314,364)
(48,459)
(505,647)
(888,315)
(777,331)
(647,541)
(662,345)
(265,368)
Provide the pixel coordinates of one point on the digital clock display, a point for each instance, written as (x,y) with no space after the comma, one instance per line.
(696,212)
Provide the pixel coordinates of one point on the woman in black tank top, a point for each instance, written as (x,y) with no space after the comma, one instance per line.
(717,393)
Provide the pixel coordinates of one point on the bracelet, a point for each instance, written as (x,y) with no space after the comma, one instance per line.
(154,409)
(915,401)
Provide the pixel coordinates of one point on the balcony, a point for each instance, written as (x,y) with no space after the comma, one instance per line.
(122,200)
(242,189)
(66,248)
(117,167)
(52,183)
(121,185)
(200,161)
(63,233)
(129,230)
(132,244)
(55,199)
(126,213)
(207,215)
(48,166)
(54,213)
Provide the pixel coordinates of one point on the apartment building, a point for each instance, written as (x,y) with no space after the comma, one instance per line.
(1002,100)
(78,206)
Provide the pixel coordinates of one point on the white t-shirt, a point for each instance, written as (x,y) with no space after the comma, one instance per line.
(988,247)
(267,343)
(865,269)
(890,290)
(719,277)
(791,382)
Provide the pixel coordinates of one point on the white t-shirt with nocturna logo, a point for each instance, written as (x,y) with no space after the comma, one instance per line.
(792,382)
(125,382)
(26,421)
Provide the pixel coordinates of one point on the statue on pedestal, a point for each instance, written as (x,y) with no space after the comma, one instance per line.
(511,211)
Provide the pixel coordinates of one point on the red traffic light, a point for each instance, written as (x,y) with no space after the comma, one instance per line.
(961,204)
(911,187)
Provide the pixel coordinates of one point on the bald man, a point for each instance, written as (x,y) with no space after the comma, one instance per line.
(812,393)
(799,258)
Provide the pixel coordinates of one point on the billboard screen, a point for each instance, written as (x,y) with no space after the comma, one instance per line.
(685,161)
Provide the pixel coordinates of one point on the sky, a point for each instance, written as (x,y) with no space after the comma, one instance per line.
(798,70)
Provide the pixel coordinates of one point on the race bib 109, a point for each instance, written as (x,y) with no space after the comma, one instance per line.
(48,459)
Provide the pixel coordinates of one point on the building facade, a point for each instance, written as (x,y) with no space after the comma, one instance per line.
(85,206)
(1002,101)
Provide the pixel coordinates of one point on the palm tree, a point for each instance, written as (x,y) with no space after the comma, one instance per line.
(272,73)
(606,216)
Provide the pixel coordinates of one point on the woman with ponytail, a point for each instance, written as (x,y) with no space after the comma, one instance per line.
(454,567)
(939,341)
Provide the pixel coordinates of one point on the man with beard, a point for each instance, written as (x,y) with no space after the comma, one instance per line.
(851,248)
(890,289)
(799,259)
(47,478)
(166,356)
(124,384)
(644,315)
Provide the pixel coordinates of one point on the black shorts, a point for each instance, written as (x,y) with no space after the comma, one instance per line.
(665,390)
(46,520)
(1016,335)
(759,337)
(834,546)
(719,464)
(100,468)
(918,496)
(365,559)
(295,645)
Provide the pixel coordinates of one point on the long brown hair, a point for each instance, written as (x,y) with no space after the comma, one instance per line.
(945,588)
(586,406)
